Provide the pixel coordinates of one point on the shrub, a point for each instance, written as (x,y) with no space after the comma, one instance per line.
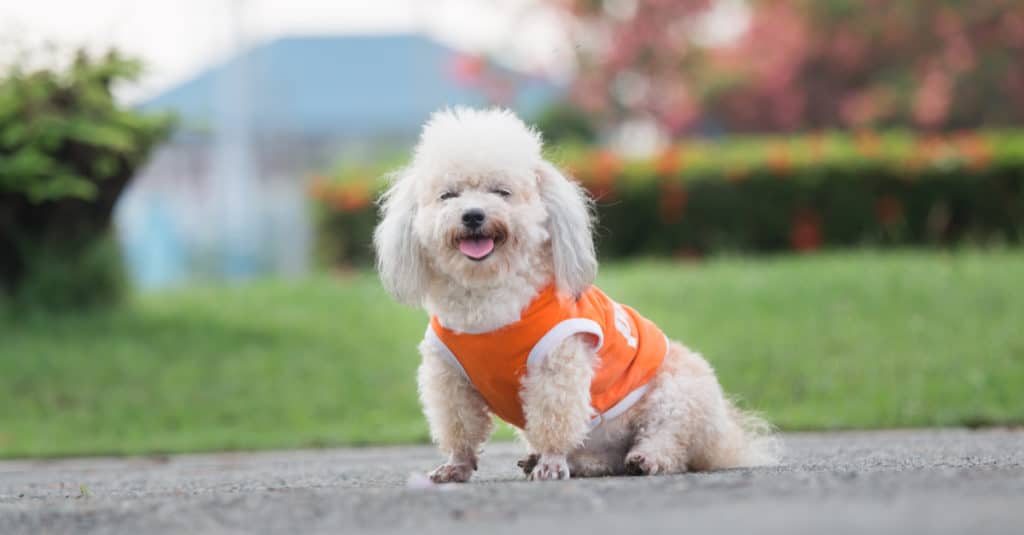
(765,194)
(67,150)
(563,123)
(345,217)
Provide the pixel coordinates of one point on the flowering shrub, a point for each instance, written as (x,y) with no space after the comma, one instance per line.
(347,216)
(764,194)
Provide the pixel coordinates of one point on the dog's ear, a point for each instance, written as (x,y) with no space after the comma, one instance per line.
(400,259)
(569,225)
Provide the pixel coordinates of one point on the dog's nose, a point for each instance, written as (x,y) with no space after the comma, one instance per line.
(473,218)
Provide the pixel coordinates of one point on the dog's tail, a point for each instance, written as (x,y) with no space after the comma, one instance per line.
(748,440)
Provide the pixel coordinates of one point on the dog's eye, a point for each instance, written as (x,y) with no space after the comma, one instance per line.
(501,191)
(449,195)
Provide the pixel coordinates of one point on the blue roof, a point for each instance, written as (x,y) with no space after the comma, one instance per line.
(338,85)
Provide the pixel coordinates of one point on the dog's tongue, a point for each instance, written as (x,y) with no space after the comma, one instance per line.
(476,248)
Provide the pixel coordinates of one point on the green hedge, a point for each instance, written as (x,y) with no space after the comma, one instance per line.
(765,194)
(67,151)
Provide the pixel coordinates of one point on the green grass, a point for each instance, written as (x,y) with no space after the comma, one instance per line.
(853,340)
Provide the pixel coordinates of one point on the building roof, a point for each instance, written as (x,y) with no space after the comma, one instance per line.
(355,85)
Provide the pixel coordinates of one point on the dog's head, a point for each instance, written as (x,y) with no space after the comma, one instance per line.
(478,202)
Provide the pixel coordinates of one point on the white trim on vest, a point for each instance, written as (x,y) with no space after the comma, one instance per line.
(445,351)
(621,406)
(630,398)
(559,333)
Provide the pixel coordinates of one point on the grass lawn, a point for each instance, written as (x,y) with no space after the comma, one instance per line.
(851,340)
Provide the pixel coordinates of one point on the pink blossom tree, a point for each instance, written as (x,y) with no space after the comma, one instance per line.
(802,64)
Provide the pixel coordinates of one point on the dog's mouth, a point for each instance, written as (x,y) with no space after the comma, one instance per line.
(476,248)
(478,245)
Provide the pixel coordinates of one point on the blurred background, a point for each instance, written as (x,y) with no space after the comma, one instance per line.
(825,197)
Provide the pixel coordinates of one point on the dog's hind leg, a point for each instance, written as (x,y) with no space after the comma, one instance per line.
(590,463)
(678,416)
(688,424)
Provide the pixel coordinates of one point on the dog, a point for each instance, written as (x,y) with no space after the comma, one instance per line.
(495,243)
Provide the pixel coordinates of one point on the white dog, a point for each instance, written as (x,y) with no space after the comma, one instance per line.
(495,243)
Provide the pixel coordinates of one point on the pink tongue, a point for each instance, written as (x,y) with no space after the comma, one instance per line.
(477,248)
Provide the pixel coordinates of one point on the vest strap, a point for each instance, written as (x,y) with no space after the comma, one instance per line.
(559,333)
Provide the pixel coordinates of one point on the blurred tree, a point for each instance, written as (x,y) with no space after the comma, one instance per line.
(67,150)
(634,58)
(801,64)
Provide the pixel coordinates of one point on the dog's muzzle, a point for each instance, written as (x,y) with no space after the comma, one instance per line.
(479,237)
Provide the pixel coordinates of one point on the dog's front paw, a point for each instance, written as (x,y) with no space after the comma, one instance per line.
(550,467)
(452,473)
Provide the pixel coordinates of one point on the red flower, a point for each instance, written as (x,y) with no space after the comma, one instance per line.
(669,161)
(975,149)
(672,202)
(888,209)
(600,190)
(346,197)
(805,232)
(604,169)
(606,166)
(868,143)
(924,152)
(779,160)
(817,151)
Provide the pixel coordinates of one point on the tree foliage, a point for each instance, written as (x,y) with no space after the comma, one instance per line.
(67,150)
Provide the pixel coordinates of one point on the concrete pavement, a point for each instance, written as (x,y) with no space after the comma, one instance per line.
(923,481)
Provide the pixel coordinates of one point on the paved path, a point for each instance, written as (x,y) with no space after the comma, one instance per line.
(953,481)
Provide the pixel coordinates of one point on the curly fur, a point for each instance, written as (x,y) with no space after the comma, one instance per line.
(541,225)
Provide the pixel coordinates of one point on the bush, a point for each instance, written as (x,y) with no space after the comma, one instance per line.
(67,151)
(73,275)
(563,123)
(767,194)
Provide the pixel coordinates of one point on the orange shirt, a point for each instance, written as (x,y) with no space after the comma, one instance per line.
(630,350)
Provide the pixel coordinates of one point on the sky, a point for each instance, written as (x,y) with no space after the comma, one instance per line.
(179,38)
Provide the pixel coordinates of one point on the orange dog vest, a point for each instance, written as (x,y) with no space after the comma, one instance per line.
(630,349)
